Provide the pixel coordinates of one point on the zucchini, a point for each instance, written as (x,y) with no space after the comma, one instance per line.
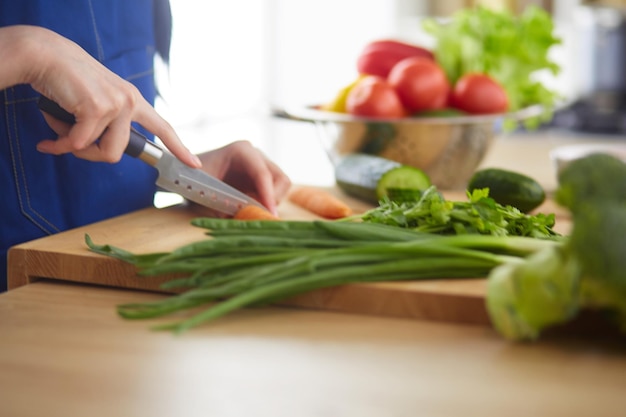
(509,188)
(370,178)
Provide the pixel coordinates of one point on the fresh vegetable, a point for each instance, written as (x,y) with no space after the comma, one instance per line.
(585,181)
(398,183)
(420,83)
(338,104)
(320,202)
(251,212)
(510,48)
(432,213)
(479,94)
(533,283)
(585,272)
(370,177)
(247,263)
(373,96)
(378,57)
(509,188)
(484,62)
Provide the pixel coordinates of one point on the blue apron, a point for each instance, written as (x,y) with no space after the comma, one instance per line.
(43,194)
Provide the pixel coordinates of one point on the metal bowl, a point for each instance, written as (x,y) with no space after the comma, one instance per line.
(447,149)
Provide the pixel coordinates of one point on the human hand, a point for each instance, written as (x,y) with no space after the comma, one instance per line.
(244,167)
(103,104)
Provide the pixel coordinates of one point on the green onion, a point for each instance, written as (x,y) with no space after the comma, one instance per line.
(250,263)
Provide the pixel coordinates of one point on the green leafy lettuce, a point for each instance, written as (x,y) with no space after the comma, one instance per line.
(511,49)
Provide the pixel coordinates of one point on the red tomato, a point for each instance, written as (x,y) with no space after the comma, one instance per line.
(372,96)
(479,94)
(378,57)
(420,83)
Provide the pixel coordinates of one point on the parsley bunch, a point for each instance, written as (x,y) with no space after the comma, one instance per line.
(432,213)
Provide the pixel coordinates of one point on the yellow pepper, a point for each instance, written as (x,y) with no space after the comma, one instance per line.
(338,104)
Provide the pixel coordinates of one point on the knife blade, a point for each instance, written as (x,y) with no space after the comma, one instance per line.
(174,176)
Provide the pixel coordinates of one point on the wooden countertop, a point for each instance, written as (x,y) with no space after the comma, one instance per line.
(64,352)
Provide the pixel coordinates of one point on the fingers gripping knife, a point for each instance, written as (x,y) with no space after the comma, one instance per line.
(193,184)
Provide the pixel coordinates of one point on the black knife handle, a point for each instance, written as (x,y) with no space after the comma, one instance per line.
(135,145)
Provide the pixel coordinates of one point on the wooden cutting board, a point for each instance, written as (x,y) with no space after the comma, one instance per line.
(65,256)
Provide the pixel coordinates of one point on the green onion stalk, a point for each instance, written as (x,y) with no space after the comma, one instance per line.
(251,263)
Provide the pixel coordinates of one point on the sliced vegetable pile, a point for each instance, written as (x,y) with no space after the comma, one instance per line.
(483,62)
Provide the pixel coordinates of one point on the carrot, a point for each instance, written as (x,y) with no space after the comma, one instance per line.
(320,202)
(251,212)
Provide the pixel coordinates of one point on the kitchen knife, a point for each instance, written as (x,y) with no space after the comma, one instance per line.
(191,183)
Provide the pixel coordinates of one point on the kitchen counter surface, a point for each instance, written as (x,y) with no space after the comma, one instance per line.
(64,352)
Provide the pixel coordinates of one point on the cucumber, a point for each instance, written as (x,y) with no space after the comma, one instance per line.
(370,177)
(509,188)
(401,195)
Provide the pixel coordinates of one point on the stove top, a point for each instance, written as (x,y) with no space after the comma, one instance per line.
(602,112)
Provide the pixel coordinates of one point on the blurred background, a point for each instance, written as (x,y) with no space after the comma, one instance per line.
(231,62)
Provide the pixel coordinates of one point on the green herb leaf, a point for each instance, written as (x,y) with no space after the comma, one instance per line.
(481,214)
